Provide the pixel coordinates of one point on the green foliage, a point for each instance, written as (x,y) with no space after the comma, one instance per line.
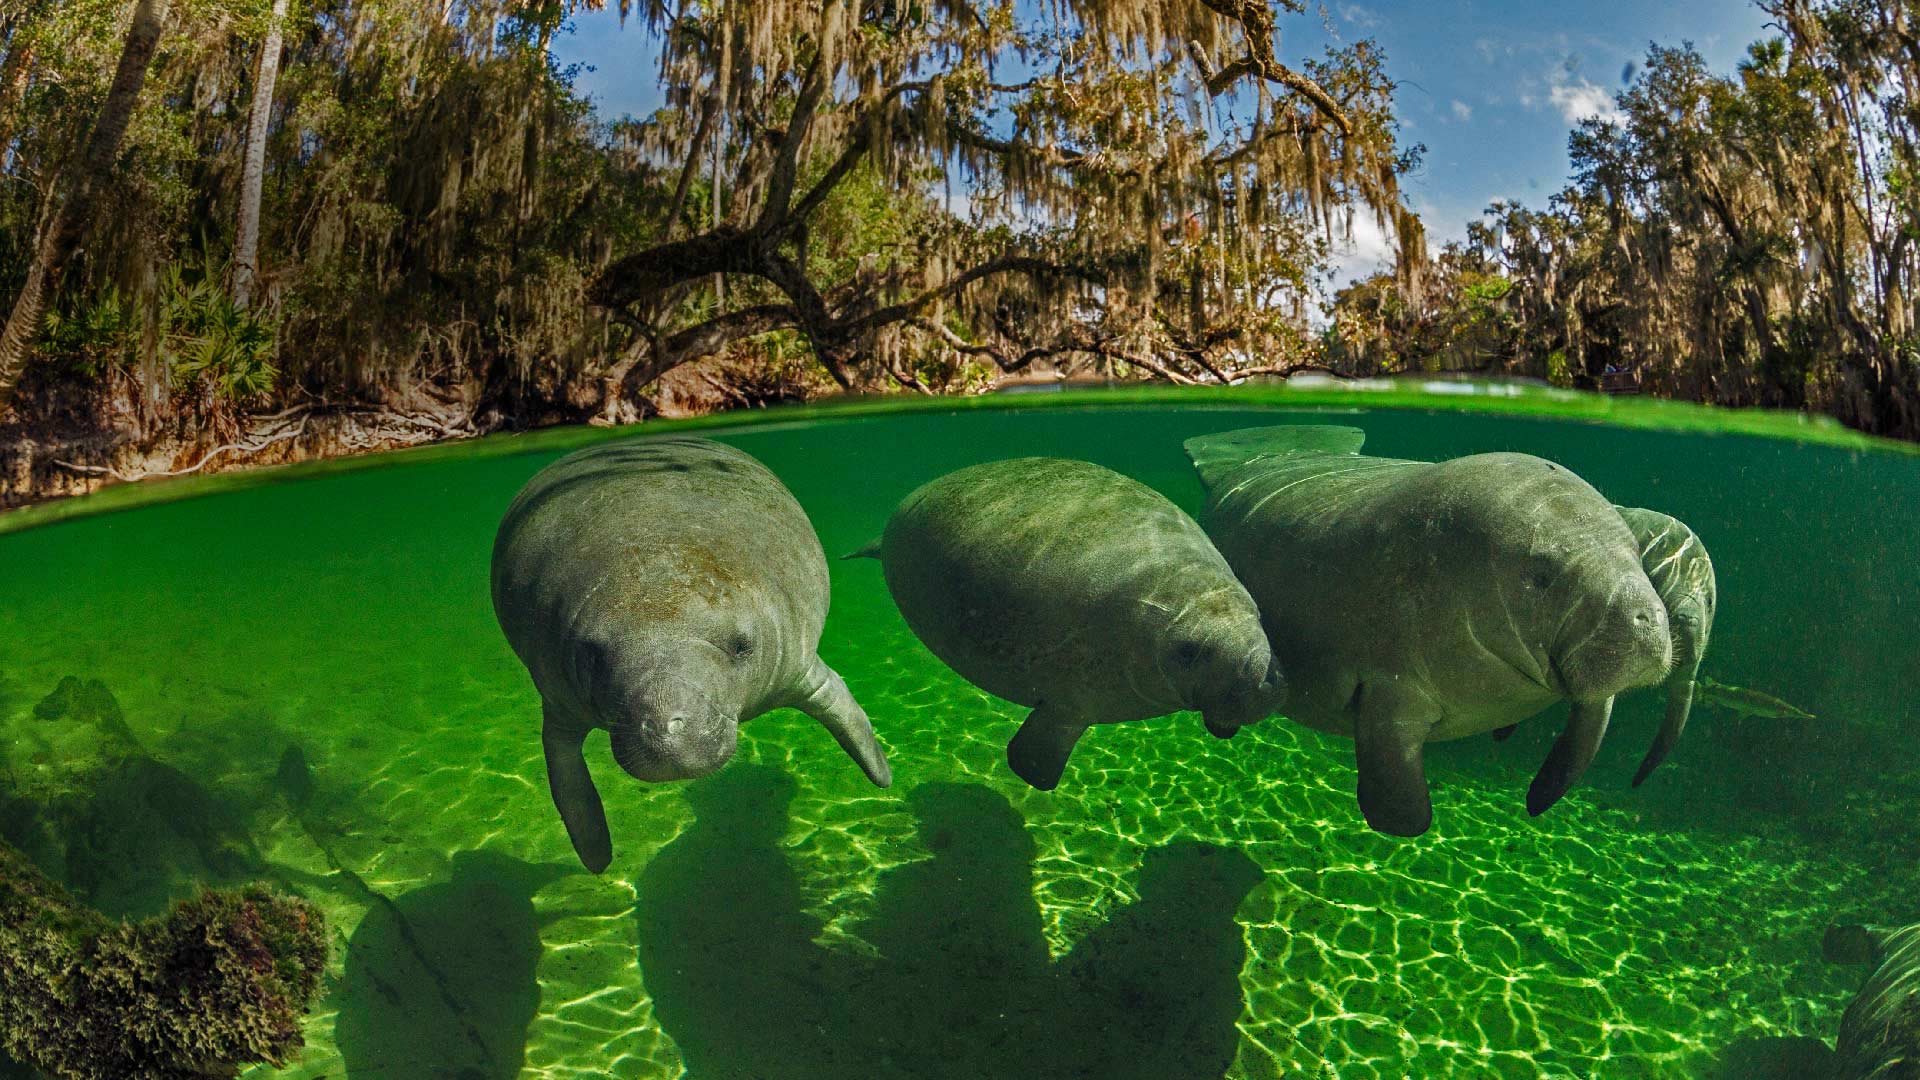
(1751,238)
(1484,293)
(208,338)
(1559,372)
(203,339)
(101,334)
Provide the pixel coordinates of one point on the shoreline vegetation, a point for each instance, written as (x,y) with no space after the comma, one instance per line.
(1300,397)
(251,232)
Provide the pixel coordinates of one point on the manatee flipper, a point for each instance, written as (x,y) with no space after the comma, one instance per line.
(573,792)
(868,550)
(1216,455)
(1679,704)
(1389,737)
(1572,752)
(832,704)
(1505,733)
(1039,751)
(1220,731)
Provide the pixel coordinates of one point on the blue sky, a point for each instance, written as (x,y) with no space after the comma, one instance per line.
(1492,87)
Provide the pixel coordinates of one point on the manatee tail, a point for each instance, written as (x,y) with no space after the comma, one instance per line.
(869,550)
(1214,456)
(1679,704)
(574,794)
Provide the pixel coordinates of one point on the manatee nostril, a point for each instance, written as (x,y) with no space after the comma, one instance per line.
(1648,618)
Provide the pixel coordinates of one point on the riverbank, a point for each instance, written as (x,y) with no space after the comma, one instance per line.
(1302,395)
(64,438)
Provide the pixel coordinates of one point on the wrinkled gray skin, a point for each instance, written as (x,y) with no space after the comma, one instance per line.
(668,590)
(1682,573)
(1880,1031)
(1413,601)
(1074,590)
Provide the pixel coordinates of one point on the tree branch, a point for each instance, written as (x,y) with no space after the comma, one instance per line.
(820,76)
(1008,365)
(1005,264)
(856,149)
(707,116)
(1049,155)
(645,274)
(717,333)
(1256,21)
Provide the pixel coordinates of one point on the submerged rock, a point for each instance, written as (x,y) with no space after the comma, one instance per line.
(218,983)
(88,702)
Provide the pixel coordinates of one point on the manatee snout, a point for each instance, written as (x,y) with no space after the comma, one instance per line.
(1627,644)
(667,730)
(1251,695)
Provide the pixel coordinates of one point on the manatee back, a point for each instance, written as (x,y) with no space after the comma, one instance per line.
(1300,515)
(1370,567)
(620,531)
(1044,578)
(1276,492)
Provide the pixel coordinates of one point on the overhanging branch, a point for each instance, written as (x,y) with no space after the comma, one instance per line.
(1256,21)
(1005,264)
(646,274)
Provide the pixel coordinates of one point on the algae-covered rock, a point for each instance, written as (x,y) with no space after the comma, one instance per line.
(218,983)
(87,702)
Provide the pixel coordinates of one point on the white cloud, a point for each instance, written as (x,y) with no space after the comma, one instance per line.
(1577,99)
(1359,16)
(1462,111)
(1370,249)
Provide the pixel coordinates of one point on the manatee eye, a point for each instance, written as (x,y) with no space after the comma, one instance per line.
(1189,653)
(1540,571)
(586,662)
(740,647)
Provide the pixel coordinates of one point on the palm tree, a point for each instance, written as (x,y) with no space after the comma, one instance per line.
(246,244)
(69,219)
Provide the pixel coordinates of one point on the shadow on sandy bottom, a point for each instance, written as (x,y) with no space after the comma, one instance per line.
(440,983)
(962,985)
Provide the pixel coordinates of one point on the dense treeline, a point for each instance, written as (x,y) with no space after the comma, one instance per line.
(248,228)
(399,216)
(431,199)
(1745,239)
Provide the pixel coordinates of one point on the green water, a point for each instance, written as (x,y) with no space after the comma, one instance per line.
(1181,907)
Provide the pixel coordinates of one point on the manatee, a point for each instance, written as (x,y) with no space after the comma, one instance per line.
(1880,1031)
(1414,601)
(1682,573)
(1080,593)
(668,590)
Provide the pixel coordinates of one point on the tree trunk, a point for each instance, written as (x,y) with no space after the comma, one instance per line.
(14,73)
(62,237)
(246,243)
